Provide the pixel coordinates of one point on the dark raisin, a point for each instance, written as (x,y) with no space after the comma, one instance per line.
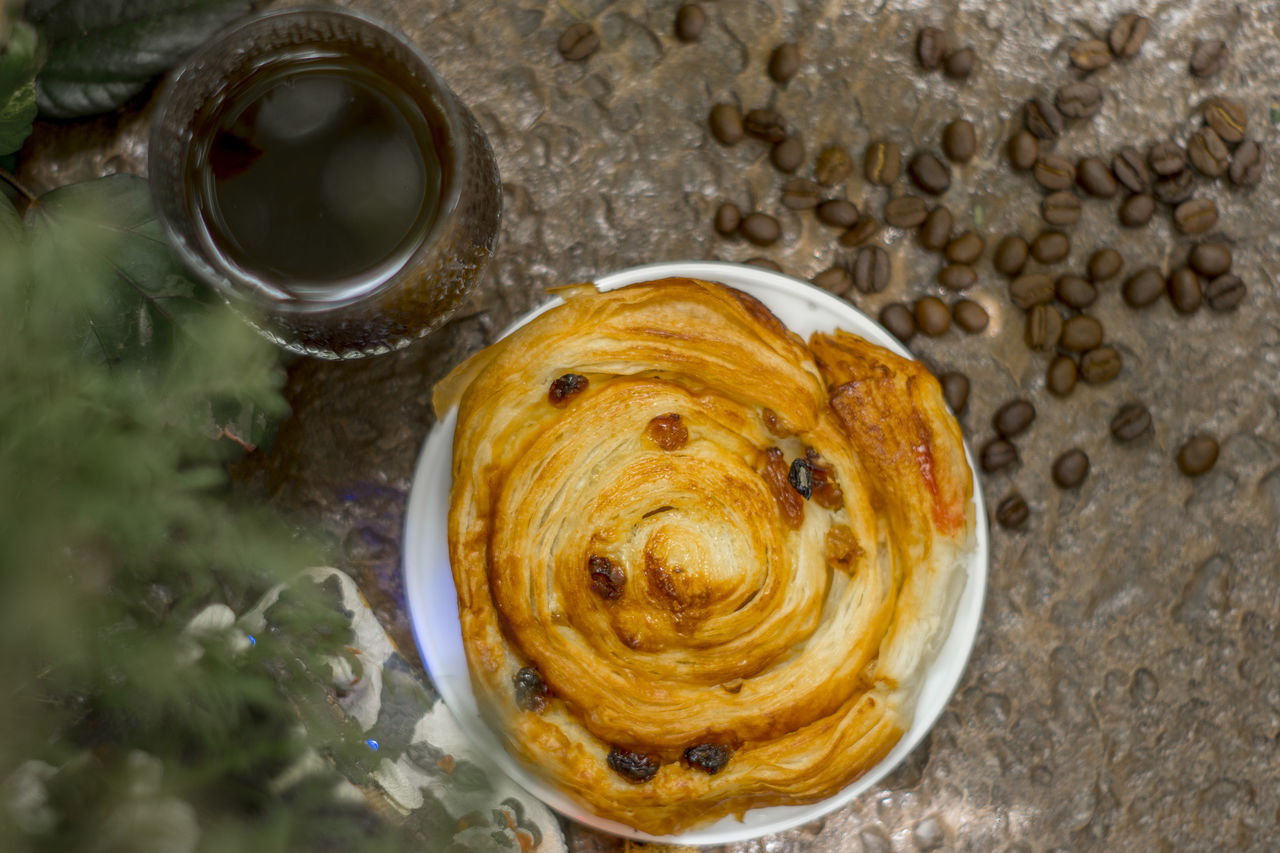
(532,692)
(708,757)
(801,477)
(566,387)
(632,766)
(668,431)
(607,578)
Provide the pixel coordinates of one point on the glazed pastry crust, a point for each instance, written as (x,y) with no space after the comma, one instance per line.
(793,632)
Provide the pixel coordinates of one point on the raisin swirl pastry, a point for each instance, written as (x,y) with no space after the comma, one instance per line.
(700,564)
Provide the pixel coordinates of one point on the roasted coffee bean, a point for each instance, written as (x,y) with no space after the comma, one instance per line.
(1081,333)
(801,194)
(836,279)
(1013,512)
(784,62)
(1061,376)
(1184,290)
(1227,118)
(1208,153)
(1043,328)
(1247,164)
(1128,34)
(883,163)
(609,579)
(1130,169)
(929,173)
(565,387)
(931,46)
(766,263)
(866,228)
(1042,118)
(632,766)
(899,320)
(1131,421)
(1075,292)
(1198,455)
(959,142)
(906,211)
(1011,255)
(1049,247)
(710,758)
(1095,178)
(833,165)
(935,231)
(965,248)
(970,316)
(955,390)
(997,454)
(728,218)
(1195,216)
(1090,54)
(1211,259)
(787,155)
(1208,56)
(764,123)
(1174,189)
(1060,208)
(1166,158)
(1105,264)
(871,269)
(932,316)
(532,693)
(1143,287)
(1225,293)
(958,64)
(1070,469)
(1078,100)
(1137,210)
(1053,172)
(838,213)
(726,124)
(1030,289)
(957,276)
(1013,418)
(1100,365)
(690,22)
(578,42)
(1023,150)
(760,229)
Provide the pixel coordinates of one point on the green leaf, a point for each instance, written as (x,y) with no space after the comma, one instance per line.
(103,53)
(12,232)
(19,62)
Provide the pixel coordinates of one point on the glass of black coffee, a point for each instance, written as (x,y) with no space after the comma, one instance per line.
(311,166)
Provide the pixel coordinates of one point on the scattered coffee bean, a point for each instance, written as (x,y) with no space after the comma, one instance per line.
(1043,328)
(787,155)
(1090,54)
(1023,150)
(1049,247)
(871,269)
(764,123)
(1011,255)
(1198,455)
(997,454)
(965,248)
(690,22)
(1195,216)
(1013,418)
(1208,56)
(1128,34)
(766,263)
(728,218)
(883,163)
(1070,469)
(1184,290)
(838,213)
(1166,158)
(935,231)
(899,320)
(1062,375)
(1030,289)
(958,64)
(760,229)
(784,62)
(970,316)
(866,228)
(1174,189)
(1208,153)
(1225,293)
(1075,292)
(1143,287)
(1053,172)
(931,46)
(832,166)
(1081,333)
(1013,512)
(578,42)
(1137,210)
(957,276)
(906,211)
(959,142)
(801,194)
(1105,264)
(1130,169)
(836,279)
(955,390)
(1078,100)
(1060,208)
(1130,422)
(929,173)
(1100,365)
(1095,178)
(1042,118)
(1210,258)
(932,316)
(726,124)
(1247,164)
(1227,118)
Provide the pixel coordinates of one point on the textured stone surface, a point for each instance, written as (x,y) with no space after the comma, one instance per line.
(1125,688)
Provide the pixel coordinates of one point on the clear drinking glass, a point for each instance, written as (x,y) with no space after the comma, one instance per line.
(312,167)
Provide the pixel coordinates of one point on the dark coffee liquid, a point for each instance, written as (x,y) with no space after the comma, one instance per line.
(317,177)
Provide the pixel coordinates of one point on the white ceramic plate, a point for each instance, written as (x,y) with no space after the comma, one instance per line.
(432,599)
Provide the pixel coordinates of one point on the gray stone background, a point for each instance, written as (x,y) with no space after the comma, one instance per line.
(1125,688)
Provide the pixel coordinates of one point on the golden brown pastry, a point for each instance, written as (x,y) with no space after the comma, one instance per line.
(701,565)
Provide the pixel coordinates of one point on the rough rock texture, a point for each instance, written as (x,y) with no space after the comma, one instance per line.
(1125,688)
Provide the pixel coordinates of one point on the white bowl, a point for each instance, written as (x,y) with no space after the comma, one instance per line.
(432,599)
